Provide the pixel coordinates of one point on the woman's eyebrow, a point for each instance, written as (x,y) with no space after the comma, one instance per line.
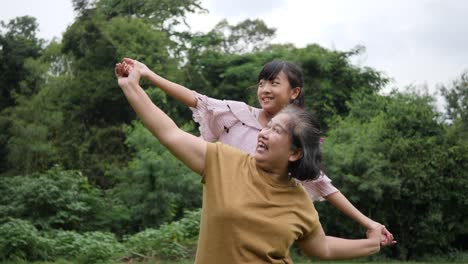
(278,125)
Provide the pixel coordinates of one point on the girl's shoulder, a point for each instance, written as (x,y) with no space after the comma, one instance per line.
(244,113)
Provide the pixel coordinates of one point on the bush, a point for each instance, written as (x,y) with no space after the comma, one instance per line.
(19,239)
(56,199)
(176,240)
(90,247)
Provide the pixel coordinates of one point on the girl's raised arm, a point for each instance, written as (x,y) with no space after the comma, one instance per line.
(186,147)
(174,90)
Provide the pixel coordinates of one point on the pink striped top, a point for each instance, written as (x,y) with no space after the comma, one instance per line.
(236,123)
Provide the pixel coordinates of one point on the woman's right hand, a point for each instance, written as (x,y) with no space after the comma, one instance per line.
(121,72)
(128,73)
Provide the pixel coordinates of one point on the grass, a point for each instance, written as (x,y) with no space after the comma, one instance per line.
(460,257)
(296,262)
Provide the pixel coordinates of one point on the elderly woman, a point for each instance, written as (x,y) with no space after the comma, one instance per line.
(253,209)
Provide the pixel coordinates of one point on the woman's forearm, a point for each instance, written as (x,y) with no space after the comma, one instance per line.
(154,119)
(187,148)
(340,248)
(328,247)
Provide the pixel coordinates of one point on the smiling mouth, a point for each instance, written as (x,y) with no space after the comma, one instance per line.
(261,147)
(267,99)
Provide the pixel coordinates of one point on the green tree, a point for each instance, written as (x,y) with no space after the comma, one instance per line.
(456,96)
(93,107)
(389,156)
(247,36)
(34,125)
(155,186)
(330,80)
(163,14)
(17,44)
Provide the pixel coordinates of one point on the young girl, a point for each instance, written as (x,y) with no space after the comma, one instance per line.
(279,84)
(253,210)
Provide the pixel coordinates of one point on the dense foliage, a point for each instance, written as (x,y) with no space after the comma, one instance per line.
(82,179)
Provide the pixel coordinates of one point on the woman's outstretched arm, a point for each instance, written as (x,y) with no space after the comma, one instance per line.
(343,204)
(186,147)
(327,247)
(174,90)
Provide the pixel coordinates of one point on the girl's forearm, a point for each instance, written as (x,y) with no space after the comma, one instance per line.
(174,90)
(338,200)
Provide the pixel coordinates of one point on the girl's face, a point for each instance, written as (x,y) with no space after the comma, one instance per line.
(274,95)
(274,144)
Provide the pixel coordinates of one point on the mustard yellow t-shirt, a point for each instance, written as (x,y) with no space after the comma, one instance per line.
(248,216)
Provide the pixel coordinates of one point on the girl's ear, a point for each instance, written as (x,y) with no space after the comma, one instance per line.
(296,155)
(295,92)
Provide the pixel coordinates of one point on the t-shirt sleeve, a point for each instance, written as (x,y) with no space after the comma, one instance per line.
(213,116)
(319,188)
(210,160)
(222,162)
(312,223)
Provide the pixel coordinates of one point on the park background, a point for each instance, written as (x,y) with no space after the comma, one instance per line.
(82,179)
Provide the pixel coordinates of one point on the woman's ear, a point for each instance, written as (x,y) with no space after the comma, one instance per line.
(296,155)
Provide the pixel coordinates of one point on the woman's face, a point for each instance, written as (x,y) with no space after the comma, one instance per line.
(273,143)
(274,95)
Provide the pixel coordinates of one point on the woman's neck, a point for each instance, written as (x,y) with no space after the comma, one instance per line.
(278,174)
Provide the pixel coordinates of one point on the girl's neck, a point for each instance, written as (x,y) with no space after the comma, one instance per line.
(264,117)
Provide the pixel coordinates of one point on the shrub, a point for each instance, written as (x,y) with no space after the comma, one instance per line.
(171,241)
(90,247)
(19,239)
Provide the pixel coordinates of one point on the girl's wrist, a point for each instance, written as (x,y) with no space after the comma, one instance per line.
(372,225)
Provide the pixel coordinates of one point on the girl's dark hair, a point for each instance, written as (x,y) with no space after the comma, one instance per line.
(295,77)
(304,131)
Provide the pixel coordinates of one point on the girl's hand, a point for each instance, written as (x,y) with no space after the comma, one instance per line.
(386,237)
(134,65)
(375,234)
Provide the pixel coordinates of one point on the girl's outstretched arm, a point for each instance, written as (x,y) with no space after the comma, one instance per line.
(344,205)
(174,90)
(186,147)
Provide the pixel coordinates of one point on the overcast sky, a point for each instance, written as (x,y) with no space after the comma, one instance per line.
(413,42)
